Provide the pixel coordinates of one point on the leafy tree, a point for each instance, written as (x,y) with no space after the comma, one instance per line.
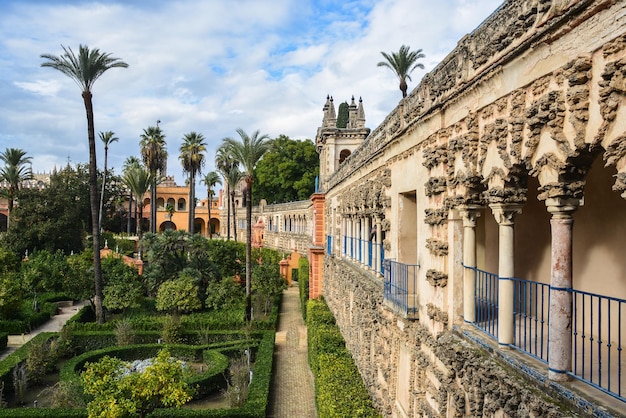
(107,138)
(9,260)
(192,158)
(14,172)
(78,284)
(55,217)
(85,69)
(287,171)
(181,294)
(227,255)
(343,115)
(210,180)
(10,295)
(120,392)
(123,288)
(224,294)
(248,150)
(154,155)
(402,63)
(266,282)
(45,271)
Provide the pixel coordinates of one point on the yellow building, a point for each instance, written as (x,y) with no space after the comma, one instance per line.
(173,209)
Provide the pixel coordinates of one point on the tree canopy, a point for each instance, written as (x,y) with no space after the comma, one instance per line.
(287,171)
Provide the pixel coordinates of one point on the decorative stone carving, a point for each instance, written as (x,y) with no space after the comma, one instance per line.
(436,314)
(435,216)
(435,186)
(437,247)
(437,278)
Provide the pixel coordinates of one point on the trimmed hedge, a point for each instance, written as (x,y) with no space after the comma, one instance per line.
(24,326)
(339,388)
(4,340)
(303,284)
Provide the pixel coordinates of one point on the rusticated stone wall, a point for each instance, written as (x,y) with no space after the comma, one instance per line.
(448,376)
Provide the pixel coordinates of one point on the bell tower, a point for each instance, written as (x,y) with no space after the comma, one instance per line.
(333,144)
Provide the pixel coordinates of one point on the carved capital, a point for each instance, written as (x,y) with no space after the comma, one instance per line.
(505,212)
(470,214)
(563,208)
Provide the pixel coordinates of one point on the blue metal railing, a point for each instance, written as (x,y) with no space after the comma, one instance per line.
(598,339)
(598,328)
(531,313)
(486,301)
(400,288)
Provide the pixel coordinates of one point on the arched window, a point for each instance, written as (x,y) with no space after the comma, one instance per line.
(160,204)
(343,155)
(182,204)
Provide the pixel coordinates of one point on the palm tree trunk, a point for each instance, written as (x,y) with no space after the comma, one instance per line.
(232,198)
(130,212)
(209,209)
(228,213)
(93,203)
(249,252)
(192,201)
(153,206)
(104,180)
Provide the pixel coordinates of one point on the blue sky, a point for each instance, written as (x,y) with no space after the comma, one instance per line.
(209,66)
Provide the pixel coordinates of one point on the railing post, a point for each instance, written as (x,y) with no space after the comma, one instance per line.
(560,327)
(469,213)
(505,216)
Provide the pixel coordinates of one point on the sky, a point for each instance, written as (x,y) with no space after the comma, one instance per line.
(209,66)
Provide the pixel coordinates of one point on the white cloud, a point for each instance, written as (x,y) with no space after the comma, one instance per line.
(210,67)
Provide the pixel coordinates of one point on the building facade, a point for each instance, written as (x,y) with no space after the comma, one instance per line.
(471,245)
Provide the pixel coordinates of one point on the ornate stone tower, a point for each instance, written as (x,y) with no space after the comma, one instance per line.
(335,144)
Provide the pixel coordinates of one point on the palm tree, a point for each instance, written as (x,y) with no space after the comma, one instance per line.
(14,172)
(224,162)
(154,156)
(130,162)
(402,63)
(233,178)
(192,158)
(85,68)
(248,151)
(210,180)
(106,138)
(138,180)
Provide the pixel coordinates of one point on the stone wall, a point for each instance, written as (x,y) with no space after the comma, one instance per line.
(444,375)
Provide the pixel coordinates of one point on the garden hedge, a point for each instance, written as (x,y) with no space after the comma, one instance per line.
(339,388)
(4,340)
(303,284)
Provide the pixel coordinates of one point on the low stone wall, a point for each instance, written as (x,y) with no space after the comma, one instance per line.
(409,372)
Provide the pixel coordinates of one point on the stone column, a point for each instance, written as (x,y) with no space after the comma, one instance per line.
(469,213)
(379,247)
(505,216)
(366,240)
(560,328)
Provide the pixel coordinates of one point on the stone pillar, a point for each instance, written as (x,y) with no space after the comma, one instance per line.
(505,216)
(560,328)
(366,241)
(469,213)
(379,247)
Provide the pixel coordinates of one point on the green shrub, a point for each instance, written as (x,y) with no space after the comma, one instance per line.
(340,391)
(124,332)
(4,340)
(172,330)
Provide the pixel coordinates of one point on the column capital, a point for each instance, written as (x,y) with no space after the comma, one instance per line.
(505,212)
(470,214)
(562,208)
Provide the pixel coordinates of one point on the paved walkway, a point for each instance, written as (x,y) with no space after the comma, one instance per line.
(292,394)
(53,325)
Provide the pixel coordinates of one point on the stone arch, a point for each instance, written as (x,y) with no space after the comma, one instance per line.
(182,204)
(343,154)
(167,225)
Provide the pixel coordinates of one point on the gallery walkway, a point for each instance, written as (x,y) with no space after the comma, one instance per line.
(292,393)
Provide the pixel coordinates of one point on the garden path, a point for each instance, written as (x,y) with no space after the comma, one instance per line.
(53,325)
(292,393)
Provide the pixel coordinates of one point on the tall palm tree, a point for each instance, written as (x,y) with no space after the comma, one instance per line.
(130,162)
(107,138)
(138,180)
(210,180)
(192,158)
(225,162)
(14,172)
(154,156)
(233,178)
(248,150)
(402,63)
(85,68)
